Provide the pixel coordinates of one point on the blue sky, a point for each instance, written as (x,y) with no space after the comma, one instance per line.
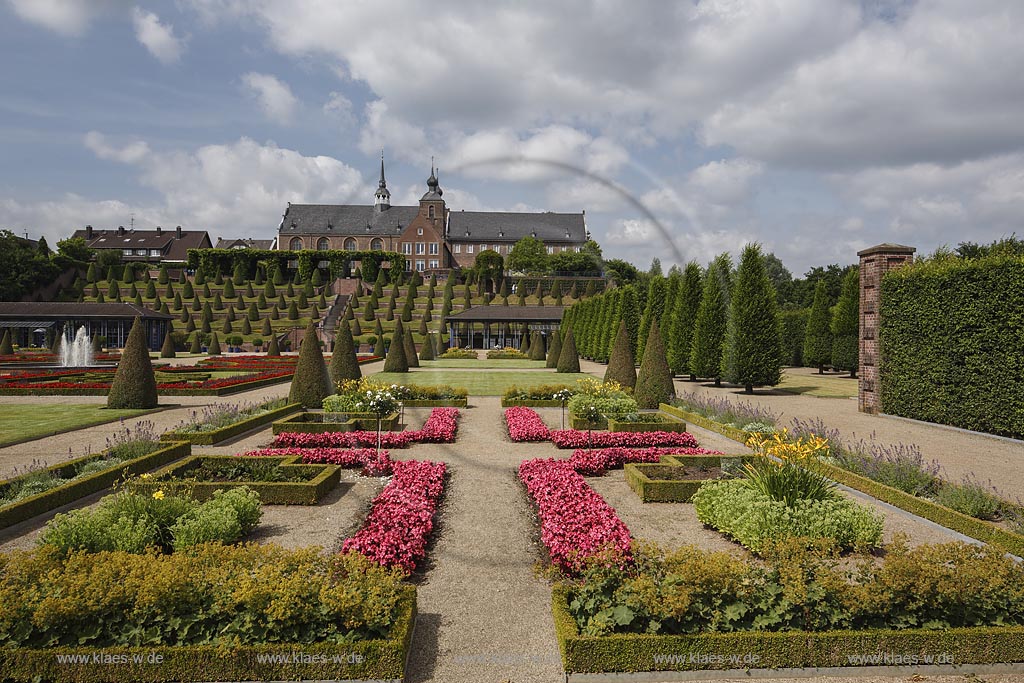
(816,127)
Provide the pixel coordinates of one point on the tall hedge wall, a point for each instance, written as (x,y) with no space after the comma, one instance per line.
(952,343)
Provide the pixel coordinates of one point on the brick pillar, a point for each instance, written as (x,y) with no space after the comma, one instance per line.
(875,262)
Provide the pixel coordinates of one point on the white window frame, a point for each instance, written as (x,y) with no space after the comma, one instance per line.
(434,264)
(407,248)
(408,266)
(469,248)
(154,252)
(457,249)
(419,231)
(127,252)
(551,250)
(421,248)
(420,265)
(434,249)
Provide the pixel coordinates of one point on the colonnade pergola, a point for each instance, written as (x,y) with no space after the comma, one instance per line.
(487,327)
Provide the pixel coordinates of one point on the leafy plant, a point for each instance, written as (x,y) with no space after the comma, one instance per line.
(786,470)
(971,497)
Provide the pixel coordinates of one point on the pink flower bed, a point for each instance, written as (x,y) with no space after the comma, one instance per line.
(372,463)
(524,424)
(574,438)
(440,427)
(594,462)
(395,532)
(575,521)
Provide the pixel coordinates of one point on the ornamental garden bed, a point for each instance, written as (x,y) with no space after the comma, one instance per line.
(646,422)
(705,423)
(334,618)
(436,403)
(655,483)
(278,480)
(320,423)
(84,476)
(170,382)
(228,431)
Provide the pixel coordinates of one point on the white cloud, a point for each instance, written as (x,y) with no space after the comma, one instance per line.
(67,17)
(729,181)
(339,108)
(274,96)
(385,131)
(156,37)
(131,153)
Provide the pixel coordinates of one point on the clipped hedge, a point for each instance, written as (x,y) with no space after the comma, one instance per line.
(716,651)
(222,391)
(437,403)
(669,425)
(950,336)
(659,490)
(271,493)
(530,403)
(233,430)
(978,529)
(51,499)
(706,423)
(312,423)
(381,659)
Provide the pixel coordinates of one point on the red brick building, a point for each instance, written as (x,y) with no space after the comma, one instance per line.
(432,237)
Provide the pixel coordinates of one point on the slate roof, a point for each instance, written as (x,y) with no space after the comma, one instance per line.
(345,219)
(244,244)
(171,247)
(507,226)
(492,314)
(63,310)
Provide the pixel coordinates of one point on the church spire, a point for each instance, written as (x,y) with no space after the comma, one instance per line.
(382,197)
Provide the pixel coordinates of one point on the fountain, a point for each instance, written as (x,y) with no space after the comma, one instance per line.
(78,352)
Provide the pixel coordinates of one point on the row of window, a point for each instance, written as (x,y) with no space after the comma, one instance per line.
(323,244)
(140,252)
(505,249)
(421,248)
(377,244)
(422,265)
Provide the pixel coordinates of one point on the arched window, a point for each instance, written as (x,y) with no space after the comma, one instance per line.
(295,244)
(350,244)
(377,244)
(323,244)
(430,211)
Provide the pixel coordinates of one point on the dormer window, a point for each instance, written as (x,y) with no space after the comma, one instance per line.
(419,231)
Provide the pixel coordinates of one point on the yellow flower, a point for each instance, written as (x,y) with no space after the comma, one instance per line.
(146,476)
(159,495)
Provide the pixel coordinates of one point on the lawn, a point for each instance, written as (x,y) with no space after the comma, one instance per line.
(507,364)
(20,423)
(809,383)
(480,383)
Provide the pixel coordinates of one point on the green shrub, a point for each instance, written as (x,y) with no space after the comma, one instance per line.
(690,590)
(845,325)
(755,520)
(506,354)
(455,353)
(6,347)
(609,406)
(344,364)
(311,383)
(568,359)
(710,325)
(654,379)
(396,360)
(970,497)
(621,367)
(818,333)
(540,392)
(752,355)
(555,350)
(134,385)
(225,518)
(794,323)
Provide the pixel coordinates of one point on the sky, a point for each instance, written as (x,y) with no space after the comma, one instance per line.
(683,129)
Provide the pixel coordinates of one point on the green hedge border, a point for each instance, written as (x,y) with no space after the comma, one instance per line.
(705,423)
(672,425)
(674,491)
(296,424)
(384,659)
(440,403)
(232,430)
(530,403)
(41,503)
(636,652)
(223,391)
(977,529)
(271,493)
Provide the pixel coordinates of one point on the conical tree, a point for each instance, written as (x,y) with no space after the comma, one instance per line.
(410,350)
(631,316)
(344,364)
(134,384)
(753,346)
(554,350)
(396,360)
(621,367)
(246,327)
(653,310)
(709,329)
(6,347)
(197,346)
(537,350)
(91,274)
(818,335)
(357,329)
(684,316)
(378,346)
(846,325)
(190,324)
(229,289)
(273,349)
(427,351)
(311,383)
(227,328)
(654,380)
(527,340)
(266,329)
(167,350)
(214,348)
(568,359)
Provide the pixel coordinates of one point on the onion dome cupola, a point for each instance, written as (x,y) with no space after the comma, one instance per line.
(434,190)
(382,197)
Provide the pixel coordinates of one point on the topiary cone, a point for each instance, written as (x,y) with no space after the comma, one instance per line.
(312,381)
(344,364)
(537,351)
(167,350)
(396,360)
(410,350)
(555,350)
(654,380)
(134,384)
(272,348)
(621,367)
(6,347)
(214,348)
(427,352)
(568,359)
(196,347)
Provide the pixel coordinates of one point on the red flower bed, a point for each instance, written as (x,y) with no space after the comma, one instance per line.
(575,521)
(39,380)
(372,463)
(574,438)
(395,532)
(524,424)
(595,462)
(440,427)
